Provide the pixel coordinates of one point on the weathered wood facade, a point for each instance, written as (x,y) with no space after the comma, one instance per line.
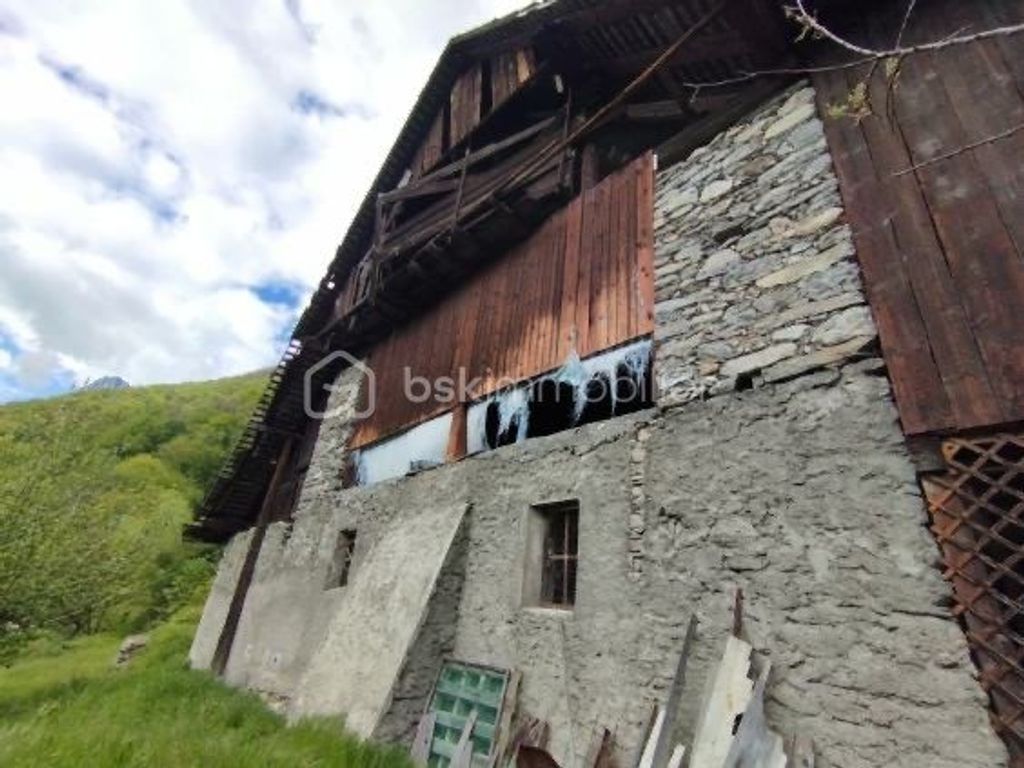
(939,226)
(581,283)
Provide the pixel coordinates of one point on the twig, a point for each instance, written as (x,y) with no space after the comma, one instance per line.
(804,17)
(960,150)
(811,22)
(866,55)
(906,22)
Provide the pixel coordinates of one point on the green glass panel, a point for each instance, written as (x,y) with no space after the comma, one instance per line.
(460,691)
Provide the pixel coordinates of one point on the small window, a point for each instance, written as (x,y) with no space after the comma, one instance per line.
(552,555)
(344,549)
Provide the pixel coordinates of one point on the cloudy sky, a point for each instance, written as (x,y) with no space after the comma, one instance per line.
(175,176)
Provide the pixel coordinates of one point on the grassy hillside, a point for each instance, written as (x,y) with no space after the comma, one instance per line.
(94,490)
(67,707)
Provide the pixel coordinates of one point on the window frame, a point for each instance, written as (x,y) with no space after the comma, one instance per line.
(551,573)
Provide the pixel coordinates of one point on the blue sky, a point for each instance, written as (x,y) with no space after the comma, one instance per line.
(176,176)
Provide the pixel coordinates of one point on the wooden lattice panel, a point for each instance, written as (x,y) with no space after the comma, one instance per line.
(977,514)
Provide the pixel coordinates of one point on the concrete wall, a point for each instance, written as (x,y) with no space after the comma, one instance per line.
(800,493)
(798,490)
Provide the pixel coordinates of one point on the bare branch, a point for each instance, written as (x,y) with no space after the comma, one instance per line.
(899,51)
(960,150)
(809,21)
(906,22)
(865,55)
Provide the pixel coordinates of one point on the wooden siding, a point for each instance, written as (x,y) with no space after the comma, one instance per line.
(466,103)
(509,71)
(583,282)
(941,246)
(431,150)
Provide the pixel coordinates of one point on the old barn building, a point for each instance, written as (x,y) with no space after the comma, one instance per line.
(653,303)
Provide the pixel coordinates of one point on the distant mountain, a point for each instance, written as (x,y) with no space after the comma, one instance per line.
(105,382)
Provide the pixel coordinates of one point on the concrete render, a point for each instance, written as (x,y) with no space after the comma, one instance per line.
(801,494)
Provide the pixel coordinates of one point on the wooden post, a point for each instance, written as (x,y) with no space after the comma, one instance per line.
(457,437)
(227,633)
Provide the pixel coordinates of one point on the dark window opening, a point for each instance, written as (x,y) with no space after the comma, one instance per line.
(553,404)
(344,549)
(495,436)
(555,544)
(551,408)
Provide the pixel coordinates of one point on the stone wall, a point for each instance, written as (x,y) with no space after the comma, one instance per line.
(799,491)
(755,275)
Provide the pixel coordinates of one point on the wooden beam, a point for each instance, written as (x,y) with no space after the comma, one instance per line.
(488,151)
(666,109)
(230,628)
(675,696)
(706,48)
(683,143)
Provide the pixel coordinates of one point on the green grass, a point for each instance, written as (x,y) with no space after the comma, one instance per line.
(94,490)
(68,707)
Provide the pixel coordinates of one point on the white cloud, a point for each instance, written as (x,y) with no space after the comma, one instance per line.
(158,170)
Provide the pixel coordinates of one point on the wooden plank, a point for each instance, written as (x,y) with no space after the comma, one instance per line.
(463,754)
(920,395)
(610,267)
(994,105)
(645,244)
(567,324)
(626,212)
(468,327)
(518,331)
(420,751)
(483,320)
(1006,14)
(599,270)
(647,756)
(517,318)
(755,744)
(504,80)
(675,695)
(466,103)
(457,434)
(981,255)
(557,277)
(620,249)
(627,240)
(948,343)
(432,148)
(583,273)
(539,352)
(504,735)
(726,695)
